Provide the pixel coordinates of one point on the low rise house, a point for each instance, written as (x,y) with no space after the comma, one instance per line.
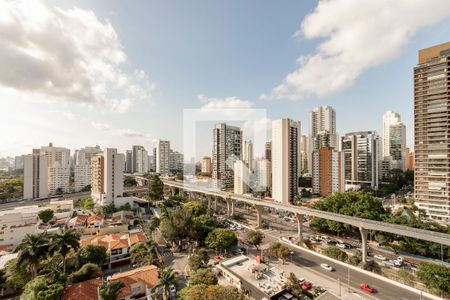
(95,221)
(117,245)
(20,221)
(253,277)
(138,284)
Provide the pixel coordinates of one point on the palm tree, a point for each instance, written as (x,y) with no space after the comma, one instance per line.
(143,253)
(65,240)
(31,250)
(110,290)
(166,279)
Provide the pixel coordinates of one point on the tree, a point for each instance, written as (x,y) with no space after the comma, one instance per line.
(46,215)
(202,226)
(293,285)
(254,238)
(352,203)
(65,240)
(435,277)
(155,188)
(87,204)
(31,250)
(205,292)
(92,254)
(39,289)
(203,276)
(166,279)
(199,260)
(279,250)
(17,274)
(177,226)
(336,253)
(220,238)
(110,290)
(126,207)
(356,258)
(129,181)
(143,253)
(196,208)
(86,272)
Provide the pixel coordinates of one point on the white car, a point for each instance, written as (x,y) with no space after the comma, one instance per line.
(389,263)
(301,280)
(326,267)
(341,246)
(380,257)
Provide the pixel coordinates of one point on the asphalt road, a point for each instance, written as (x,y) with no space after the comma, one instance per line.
(312,262)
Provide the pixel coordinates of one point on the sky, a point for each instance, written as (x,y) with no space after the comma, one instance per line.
(120,73)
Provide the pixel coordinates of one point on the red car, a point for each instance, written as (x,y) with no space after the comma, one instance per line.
(367,288)
(306,285)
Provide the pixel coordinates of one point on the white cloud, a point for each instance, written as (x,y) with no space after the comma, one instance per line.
(68,115)
(100,126)
(122,132)
(66,54)
(223,103)
(357,35)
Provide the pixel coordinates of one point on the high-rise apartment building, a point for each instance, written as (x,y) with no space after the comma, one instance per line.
(268,153)
(304,151)
(128,161)
(227,148)
(35,175)
(322,130)
(82,168)
(409,159)
(247,154)
(361,152)
(394,140)
(18,162)
(285,150)
(176,160)
(58,167)
(139,160)
(431,132)
(241,177)
(263,175)
(206,164)
(323,119)
(107,176)
(163,157)
(328,171)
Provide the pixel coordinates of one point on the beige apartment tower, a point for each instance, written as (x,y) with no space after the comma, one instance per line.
(431,132)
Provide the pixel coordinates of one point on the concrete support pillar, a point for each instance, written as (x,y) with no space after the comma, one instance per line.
(300,227)
(232,207)
(364,233)
(215,204)
(209,203)
(228,208)
(259,213)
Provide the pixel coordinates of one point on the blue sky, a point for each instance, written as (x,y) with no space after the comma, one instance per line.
(177,50)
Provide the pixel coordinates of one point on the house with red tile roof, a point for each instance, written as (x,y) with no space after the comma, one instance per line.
(138,284)
(117,245)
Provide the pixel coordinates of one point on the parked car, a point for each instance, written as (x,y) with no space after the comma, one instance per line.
(367,288)
(343,246)
(326,267)
(306,285)
(380,257)
(415,268)
(388,263)
(301,280)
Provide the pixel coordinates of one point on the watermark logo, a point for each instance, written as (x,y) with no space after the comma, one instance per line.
(228,129)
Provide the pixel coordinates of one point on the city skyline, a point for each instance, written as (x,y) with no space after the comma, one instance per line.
(148,69)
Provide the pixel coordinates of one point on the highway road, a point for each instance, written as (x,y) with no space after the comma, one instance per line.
(312,263)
